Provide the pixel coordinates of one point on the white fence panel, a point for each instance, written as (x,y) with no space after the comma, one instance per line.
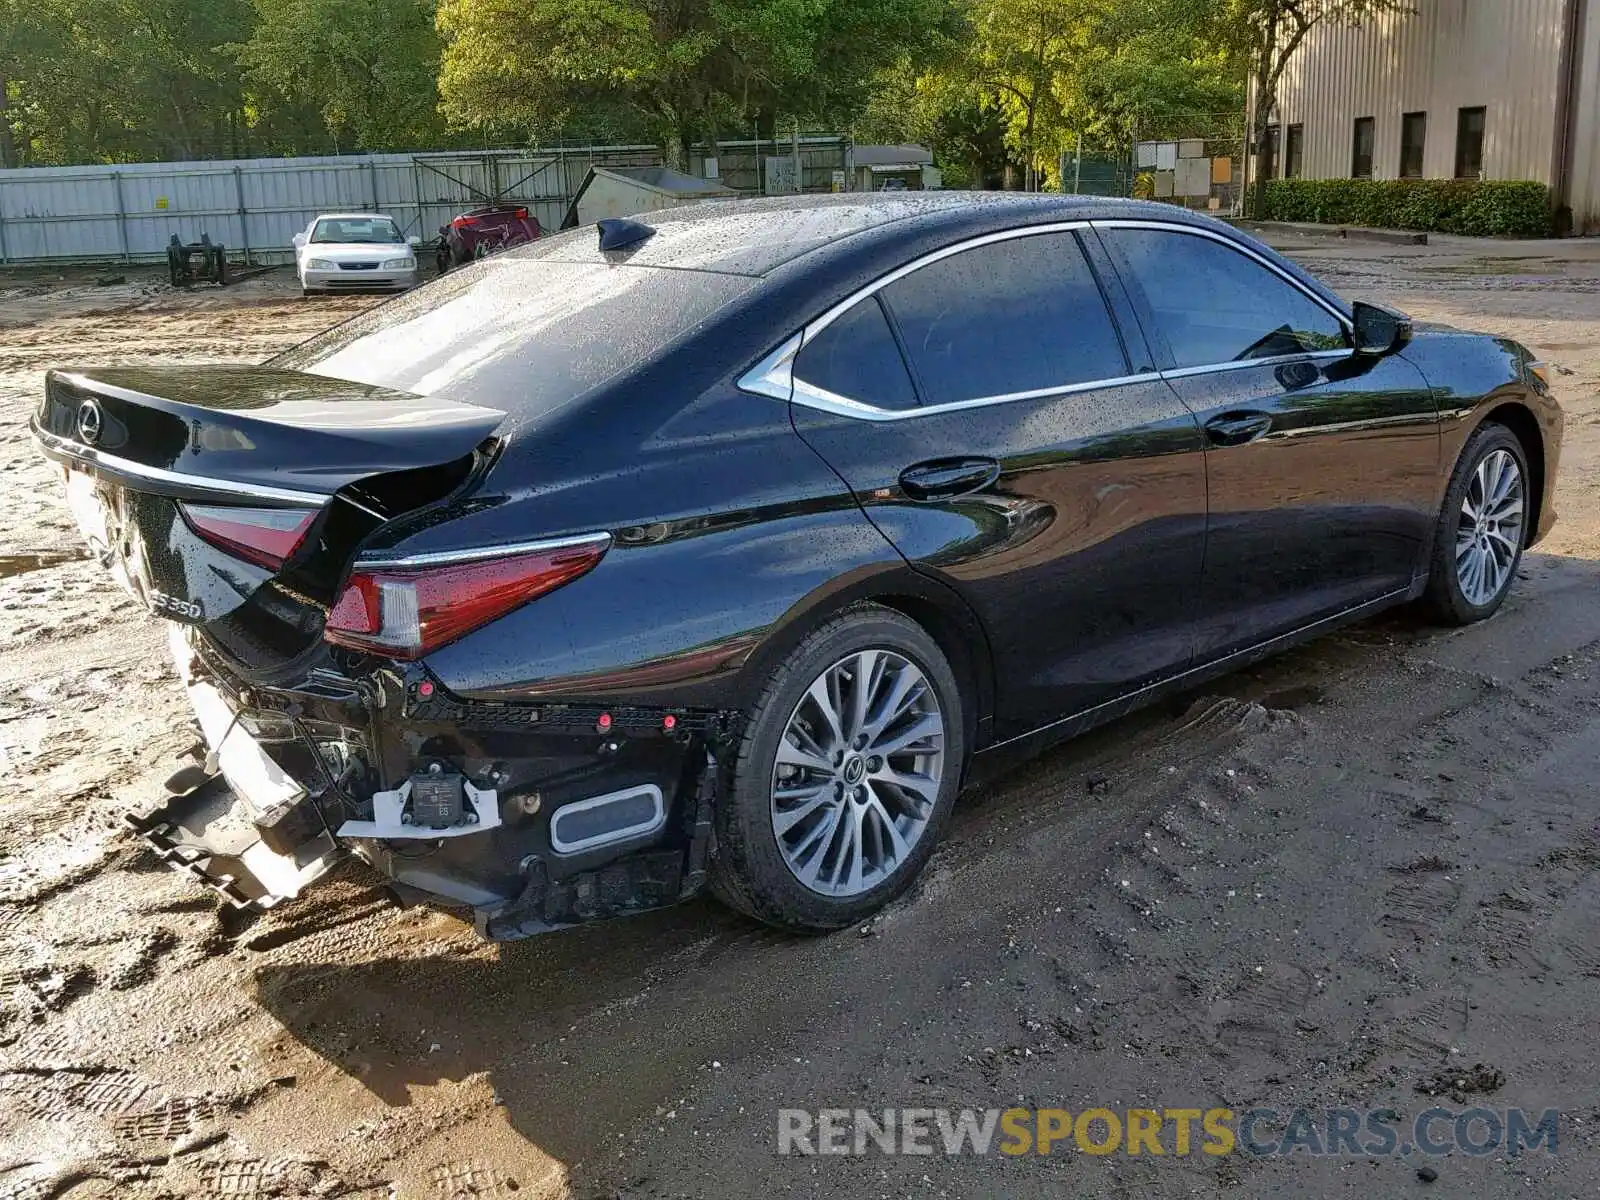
(255,207)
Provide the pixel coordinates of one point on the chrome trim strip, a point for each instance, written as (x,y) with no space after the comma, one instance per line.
(774,376)
(658,818)
(1236,244)
(482,553)
(60,448)
(1240,364)
(825,401)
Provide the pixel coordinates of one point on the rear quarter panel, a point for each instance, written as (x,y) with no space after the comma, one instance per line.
(731,539)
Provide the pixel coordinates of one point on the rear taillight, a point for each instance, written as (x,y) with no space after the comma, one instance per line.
(406,610)
(264,536)
(521,214)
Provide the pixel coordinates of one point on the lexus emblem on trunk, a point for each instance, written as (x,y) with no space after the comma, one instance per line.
(89,421)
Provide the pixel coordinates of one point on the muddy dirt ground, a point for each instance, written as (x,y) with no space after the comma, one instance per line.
(1322,882)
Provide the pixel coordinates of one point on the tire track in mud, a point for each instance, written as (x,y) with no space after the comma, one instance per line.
(1239,945)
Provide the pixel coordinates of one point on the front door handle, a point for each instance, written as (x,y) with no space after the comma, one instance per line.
(947,478)
(1237,428)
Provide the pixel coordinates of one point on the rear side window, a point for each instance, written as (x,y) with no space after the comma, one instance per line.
(856,357)
(1214,304)
(1021,315)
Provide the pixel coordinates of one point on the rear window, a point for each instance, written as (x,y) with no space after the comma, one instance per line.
(525,335)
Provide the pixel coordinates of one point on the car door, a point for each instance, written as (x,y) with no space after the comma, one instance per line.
(995,423)
(1321,465)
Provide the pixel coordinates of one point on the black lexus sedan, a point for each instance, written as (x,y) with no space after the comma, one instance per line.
(719,547)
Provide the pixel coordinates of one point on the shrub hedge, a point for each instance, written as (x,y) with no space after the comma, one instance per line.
(1481,208)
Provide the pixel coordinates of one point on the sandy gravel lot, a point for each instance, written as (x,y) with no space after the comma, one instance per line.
(1361,870)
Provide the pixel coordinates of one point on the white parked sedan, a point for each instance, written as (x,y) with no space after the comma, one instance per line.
(348,251)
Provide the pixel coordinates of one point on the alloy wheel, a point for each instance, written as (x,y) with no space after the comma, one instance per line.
(1489,535)
(857,773)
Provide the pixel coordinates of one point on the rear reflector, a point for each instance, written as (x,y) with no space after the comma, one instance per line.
(405,611)
(264,536)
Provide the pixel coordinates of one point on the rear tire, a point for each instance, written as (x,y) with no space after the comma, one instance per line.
(1482,529)
(847,819)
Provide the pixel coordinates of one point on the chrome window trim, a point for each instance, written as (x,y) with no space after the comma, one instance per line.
(1241,364)
(825,401)
(439,558)
(60,448)
(774,378)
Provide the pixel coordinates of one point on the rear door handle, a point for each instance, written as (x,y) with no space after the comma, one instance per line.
(1237,428)
(946,478)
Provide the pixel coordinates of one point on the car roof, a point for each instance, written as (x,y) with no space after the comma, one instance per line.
(756,237)
(353,216)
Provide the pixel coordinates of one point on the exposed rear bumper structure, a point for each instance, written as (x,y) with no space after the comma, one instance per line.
(532,817)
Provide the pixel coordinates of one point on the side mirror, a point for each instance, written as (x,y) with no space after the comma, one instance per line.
(299,240)
(1379,330)
(413,241)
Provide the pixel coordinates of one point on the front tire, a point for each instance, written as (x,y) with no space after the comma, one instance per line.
(1482,530)
(846,774)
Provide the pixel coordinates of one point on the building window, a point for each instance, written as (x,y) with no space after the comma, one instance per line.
(1361,152)
(1469,143)
(1293,150)
(1413,136)
(1269,153)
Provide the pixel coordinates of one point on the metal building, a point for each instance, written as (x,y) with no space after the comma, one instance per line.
(1492,89)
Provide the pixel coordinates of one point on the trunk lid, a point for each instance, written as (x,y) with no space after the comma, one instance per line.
(241,427)
(170,470)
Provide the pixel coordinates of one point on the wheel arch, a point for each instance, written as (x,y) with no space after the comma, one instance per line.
(935,607)
(1524,426)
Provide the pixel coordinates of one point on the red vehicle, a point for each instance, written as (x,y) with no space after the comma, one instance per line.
(481,232)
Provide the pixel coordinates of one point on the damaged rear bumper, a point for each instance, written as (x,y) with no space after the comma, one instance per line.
(534,817)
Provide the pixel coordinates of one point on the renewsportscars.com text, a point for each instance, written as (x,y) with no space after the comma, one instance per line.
(1263,1132)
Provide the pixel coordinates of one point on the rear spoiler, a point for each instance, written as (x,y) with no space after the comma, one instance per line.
(225,431)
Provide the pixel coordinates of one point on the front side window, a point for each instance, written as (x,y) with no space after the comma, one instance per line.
(1021,315)
(856,357)
(1470,124)
(1361,152)
(1213,304)
(374,231)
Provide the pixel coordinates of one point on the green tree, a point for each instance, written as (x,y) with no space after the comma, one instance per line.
(113,80)
(686,69)
(936,106)
(367,68)
(1020,49)
(29,39)
(1153,67)
(1052,70)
